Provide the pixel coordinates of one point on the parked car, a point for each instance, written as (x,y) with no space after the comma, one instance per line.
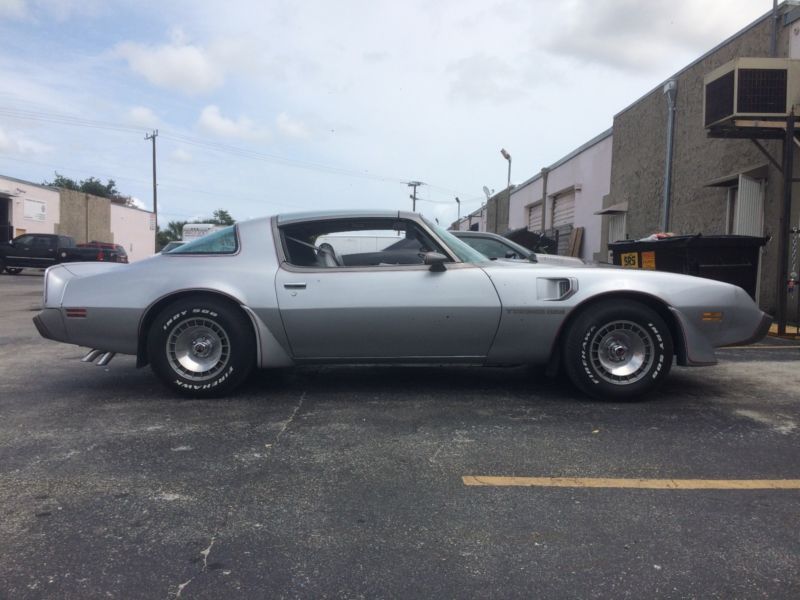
(113,252)
(495,247)
(42,250)
(263,294)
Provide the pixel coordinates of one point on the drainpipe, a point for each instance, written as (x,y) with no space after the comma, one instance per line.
(773,40)
(670,91)
(545,171)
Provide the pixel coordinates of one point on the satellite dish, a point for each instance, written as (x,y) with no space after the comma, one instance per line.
(487,192)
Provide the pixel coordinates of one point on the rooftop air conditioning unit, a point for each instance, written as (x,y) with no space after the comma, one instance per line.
(761,88)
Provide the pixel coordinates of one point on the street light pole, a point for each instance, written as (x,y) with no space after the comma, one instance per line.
(458,202)
(507,156)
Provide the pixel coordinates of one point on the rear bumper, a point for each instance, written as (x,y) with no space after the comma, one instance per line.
(50,324)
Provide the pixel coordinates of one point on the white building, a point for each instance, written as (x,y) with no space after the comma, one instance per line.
(567,195)
(27,207)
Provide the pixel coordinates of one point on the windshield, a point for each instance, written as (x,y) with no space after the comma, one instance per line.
(220,242)
(459,248)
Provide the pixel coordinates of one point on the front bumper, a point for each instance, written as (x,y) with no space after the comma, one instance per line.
(761,331)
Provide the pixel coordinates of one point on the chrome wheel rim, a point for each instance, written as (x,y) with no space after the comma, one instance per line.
(198,349)
(622,352)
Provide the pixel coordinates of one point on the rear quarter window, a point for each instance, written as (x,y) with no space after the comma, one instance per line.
(224,241)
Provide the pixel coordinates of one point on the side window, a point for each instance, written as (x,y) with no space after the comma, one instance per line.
(490,248)
(24,241)
(374,242)
(223,241)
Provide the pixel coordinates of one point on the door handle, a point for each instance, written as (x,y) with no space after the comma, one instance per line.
(294,286)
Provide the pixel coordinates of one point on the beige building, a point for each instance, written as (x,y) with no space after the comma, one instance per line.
(26,207)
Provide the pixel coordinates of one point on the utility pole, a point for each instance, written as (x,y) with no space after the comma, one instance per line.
(152,137)
(414,184)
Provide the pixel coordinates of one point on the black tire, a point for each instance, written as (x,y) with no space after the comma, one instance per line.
(617,350)
(203,348)
(13,270)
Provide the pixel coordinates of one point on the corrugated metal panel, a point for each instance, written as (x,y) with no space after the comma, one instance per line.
(564,210)
(748,218)
(535,217)
(616,227)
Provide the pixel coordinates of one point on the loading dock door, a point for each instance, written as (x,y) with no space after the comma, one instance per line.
(535,217)
(564,209)
(748,215)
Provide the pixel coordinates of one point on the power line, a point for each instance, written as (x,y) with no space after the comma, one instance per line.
(69,120)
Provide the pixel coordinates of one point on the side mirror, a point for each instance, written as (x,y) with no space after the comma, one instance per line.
(435,260)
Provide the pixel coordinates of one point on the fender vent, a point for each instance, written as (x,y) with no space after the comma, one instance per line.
(556,288)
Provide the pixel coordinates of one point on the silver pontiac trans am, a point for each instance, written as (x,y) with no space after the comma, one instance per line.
(385,287)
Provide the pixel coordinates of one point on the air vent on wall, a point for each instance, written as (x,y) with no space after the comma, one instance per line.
(755,88)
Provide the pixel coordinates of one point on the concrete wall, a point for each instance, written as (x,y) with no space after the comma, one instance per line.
(587,171)
(637,170)
(74,222)
(39,197)
(130,228)
(497,212)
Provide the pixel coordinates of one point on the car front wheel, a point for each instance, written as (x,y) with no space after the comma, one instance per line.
(618,350)
(13,270)
(201,348)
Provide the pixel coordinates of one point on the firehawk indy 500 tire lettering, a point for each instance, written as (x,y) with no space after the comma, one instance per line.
(385,287)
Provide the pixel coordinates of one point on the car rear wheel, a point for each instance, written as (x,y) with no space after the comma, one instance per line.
(618,350)
(201,348)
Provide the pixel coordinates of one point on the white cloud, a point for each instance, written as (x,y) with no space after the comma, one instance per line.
(292,128)
(60,10)
(143,117)
(15,144)
(485,78)
(138,203)
(13,9)
(213,121)
(640,36)
(178,65)
(181,155)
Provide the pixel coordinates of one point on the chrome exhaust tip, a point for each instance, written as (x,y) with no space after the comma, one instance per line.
(91,356)
(105,359)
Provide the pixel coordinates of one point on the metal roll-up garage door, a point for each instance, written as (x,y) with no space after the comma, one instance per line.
(564,209)
(748,216)
(535,217)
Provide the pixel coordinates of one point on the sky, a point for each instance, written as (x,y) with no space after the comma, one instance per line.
(266,106)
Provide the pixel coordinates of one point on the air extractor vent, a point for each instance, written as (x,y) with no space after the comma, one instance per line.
(755,88)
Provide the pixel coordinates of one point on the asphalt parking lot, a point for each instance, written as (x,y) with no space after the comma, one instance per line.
(357,482)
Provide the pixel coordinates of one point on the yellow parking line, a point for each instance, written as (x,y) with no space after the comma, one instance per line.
(647,484)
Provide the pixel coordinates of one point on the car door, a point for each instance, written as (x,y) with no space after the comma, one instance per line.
(19,254)
(43,251)
(403,312)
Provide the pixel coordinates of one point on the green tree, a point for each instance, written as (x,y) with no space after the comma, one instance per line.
(91,185)
(221,217)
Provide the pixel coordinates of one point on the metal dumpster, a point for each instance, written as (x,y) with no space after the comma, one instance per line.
(729,258)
